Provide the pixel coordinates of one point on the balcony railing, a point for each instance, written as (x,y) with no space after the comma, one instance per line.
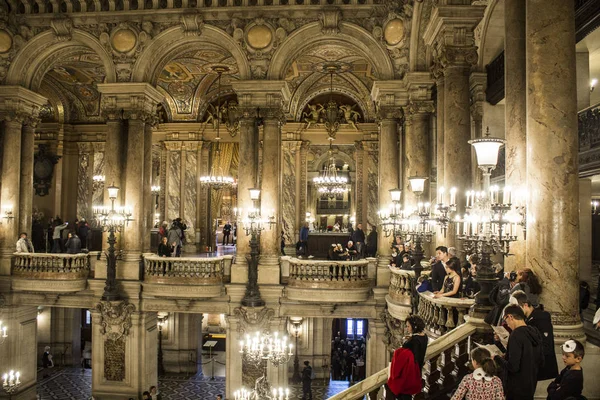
(401,285)
(442,314)
(184,277)
(322,280)
(46,272)
(445,365)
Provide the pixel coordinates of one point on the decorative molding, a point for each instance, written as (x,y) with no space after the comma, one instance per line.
(192,24)
(330,19)
(252,319)
(115,318)
(394,330)
(63,28)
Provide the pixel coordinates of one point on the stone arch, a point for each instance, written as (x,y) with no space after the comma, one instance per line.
(491,42)
(40,53)
(168,41)
(319,162)
(350,35)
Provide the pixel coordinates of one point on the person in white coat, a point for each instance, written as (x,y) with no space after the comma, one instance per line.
(24,244)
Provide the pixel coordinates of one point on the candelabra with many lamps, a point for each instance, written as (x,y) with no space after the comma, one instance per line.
(491,220)
(112,220)
(253,224)
(329,183)
(11,381)
(296,329)
(261,349)
(161,323)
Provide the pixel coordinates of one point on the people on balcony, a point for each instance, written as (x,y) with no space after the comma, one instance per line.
(175,236)
(24,245)
(529,283)
(352,252)
(483,383)
(226,233)
(499,296)
(164,250)
(542,321)
(438,272)
(452,281)
(358,237)
(56,235)
(83,230)
(73,245)
(470,286)
(524,355)
(569,384)
(302,245)
(371,250)
(397,245)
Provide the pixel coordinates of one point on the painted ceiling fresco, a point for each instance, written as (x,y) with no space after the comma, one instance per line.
(188,79)
(77,76)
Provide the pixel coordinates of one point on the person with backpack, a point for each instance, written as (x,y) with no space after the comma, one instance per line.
(500,295)
(307,377)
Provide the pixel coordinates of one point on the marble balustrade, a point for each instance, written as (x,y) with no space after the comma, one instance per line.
(445,364)
(443,314)
(401,284)
(197,271)
(65,266)
(342,273)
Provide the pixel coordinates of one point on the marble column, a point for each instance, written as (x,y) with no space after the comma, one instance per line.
(438,73)
(233,359)
(19,351)
(417,151)
(9,195)
(457,129)
(149,203)
(134,232)
(515,115)
(271,192)
(552,161)
(377,353)
(26,183)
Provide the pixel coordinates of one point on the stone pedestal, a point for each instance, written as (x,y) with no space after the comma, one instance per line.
(19,349)
(552,161)
(515,112)
(124,351)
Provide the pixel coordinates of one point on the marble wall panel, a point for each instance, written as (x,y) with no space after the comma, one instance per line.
(98,196)
(288,215)
(173,191)
(83,186)
(372,188)
(189,202)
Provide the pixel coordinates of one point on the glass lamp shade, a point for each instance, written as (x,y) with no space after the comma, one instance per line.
(254,193)
(395,194)
(113,192)
(417,184)
(487,149)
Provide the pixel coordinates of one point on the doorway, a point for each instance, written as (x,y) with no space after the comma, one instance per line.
(349,349)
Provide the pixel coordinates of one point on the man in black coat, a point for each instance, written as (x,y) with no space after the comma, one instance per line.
(542,321)
(358,237)
(438,272)
(523,356)
(306,381)
(226,232)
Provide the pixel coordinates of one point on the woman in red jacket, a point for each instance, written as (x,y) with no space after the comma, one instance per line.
(407,362)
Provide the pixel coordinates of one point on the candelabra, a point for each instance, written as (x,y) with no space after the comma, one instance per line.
(490,223)
(595,209)
(253,224)
(155,190)
(162,321)
(11,382)
(260,350)
(7,213)
(112,220)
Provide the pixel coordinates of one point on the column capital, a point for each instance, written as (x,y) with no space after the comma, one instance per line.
(19,104)
(418,109)
(137,100)
(262,94)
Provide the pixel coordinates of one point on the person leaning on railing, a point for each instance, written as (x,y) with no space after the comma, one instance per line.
(452,281)
(164,250)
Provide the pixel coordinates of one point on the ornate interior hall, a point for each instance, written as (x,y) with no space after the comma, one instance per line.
(202,196)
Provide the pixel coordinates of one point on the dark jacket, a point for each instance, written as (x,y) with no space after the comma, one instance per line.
(358,236)
(438,273)
(499,297)
(227,229)
(471,287)
(521,361)
(307,374)
(541,320)
(73,245)
(567,384)
(418,345)
(304,234)
(164,250)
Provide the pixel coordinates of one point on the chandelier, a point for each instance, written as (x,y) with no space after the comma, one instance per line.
(260,349)
(217,178)
(329,182)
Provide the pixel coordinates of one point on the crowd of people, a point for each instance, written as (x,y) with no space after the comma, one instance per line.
(358,245)
(171,238)
(348,359)
(57,237)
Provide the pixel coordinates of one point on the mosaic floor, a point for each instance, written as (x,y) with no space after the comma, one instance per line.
(76,384)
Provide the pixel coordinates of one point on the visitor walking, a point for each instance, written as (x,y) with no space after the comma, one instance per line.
(307,377)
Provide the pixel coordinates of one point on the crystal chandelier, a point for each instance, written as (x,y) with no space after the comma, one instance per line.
(217,178)
(329,182)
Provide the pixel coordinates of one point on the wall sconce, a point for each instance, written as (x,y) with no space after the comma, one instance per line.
(593,84)
(595,208)
(7,213)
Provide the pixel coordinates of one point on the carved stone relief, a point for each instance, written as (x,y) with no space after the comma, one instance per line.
(394,330)
(253,319)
